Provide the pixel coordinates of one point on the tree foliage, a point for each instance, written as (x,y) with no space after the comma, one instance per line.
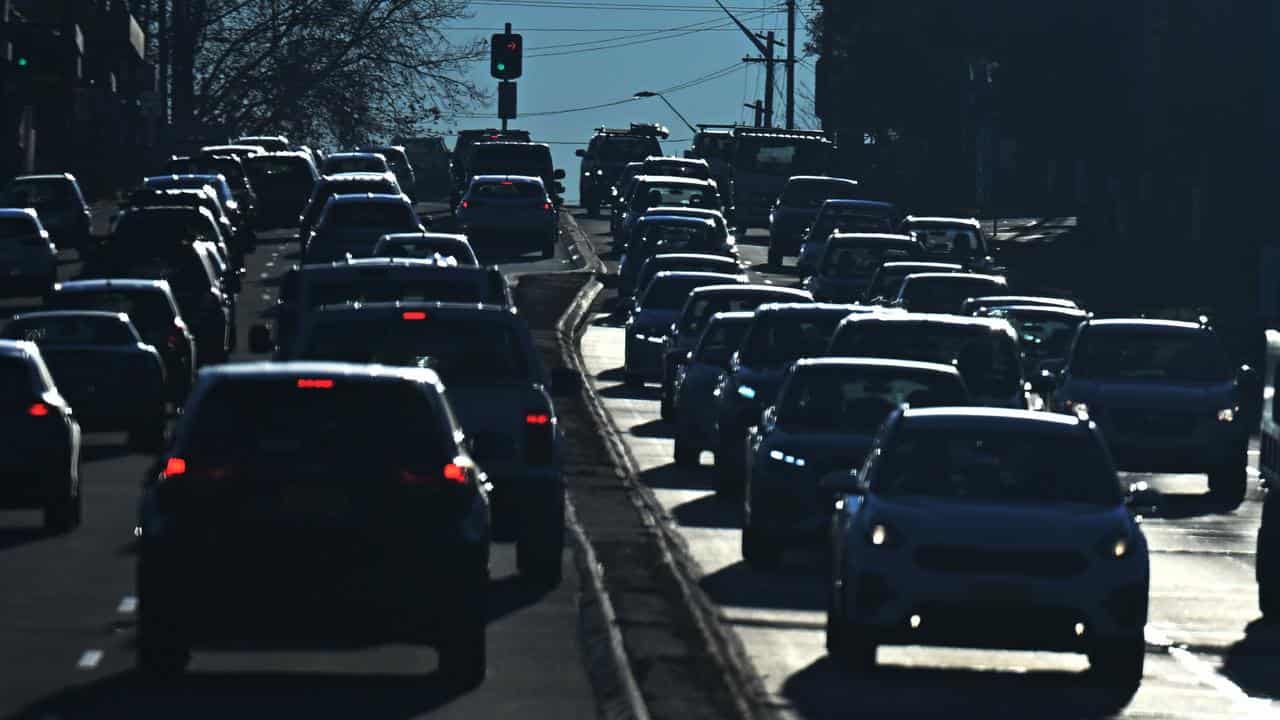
(340,70)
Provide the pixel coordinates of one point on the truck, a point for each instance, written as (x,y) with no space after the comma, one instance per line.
(762,160)
(608,152)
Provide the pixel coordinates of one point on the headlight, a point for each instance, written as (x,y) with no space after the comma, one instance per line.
(1227,415)
(788,459)
(747,392)
(599,172)
(1117,548)
(883,536)
(1074,406)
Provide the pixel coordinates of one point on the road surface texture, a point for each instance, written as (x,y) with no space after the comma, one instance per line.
(1207,656)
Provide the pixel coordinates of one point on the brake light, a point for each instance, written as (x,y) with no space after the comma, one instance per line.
(466,204)
(455,473)
(38,410)
(546,206)
(537,419)
(539,438)
(507,182)
(413,315)
(174,467)
(175,336)
(315,383)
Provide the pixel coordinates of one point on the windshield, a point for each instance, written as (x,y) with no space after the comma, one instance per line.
(782,156)
(812,193)
(777,339)
(996,466)
(670,293)
(986,358)
(1123,354)
(858,399)
(622,148)
(149,311)
(70,331)
(946,294)
(364,215)
(959,242)
(460,350)
(842,261)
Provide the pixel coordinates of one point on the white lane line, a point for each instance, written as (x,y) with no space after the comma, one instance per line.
(1208,675)
(89,659)
(128,605)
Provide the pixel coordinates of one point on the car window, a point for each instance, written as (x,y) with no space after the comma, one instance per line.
(675,237)
(70,331)
(1169,356)
(466,349)
(16,227)
(333,166)
(147,310)
(427,249)
(703,308)
(670,293)
(654,194)
(15,379)
(164,228)
(507,190)
(850,261)
(330,418)
(949,241)
(777,339)
(370,214)
(850,222)
(721,340)
(1043,336)
(859,399)
(510,159)
(993,466)
(428,285)
(677,169)
(279,170)
(945,294)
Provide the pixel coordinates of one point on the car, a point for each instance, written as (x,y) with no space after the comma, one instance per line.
(850,216)
(618,191)
(41,467)
(366,280)
(398,162)
(605,155)
(343,184)
(222,192)
(229,167)
(650,321)
(652,191)
(850,261)
(284,182)
(972,305)
(512,159)
(334,464)
(666,234)
(102,367)
(723,234)
(695,168)
(153,310)
(694,262)
(1045,333)
(887,280)
(780,334)
(60,204)
(427,245)
(498,389)
(226,236)
(350,225)
(827,414)
(429,159)
(988,528)
(1165,396)
(270,143)
(696,382)
(795,209)
(467,139)
(714,143)
(704,302)
(985,350)
(159,221)
(239,151)
(952,239)
(946,292)
(205,299)
(360,162)
(28,257)
(1266,570)
(509,210)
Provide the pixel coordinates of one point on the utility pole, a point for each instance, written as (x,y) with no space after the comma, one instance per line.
(791,64)
(766,56)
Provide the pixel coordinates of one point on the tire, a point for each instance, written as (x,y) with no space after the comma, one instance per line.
(729,470)
(161,649)
(1119,663)
(759,550)
(1229,483)
(686,456)
(64,514)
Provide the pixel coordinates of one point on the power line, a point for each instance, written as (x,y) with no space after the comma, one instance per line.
(613,42)
(596,6)
(588,30)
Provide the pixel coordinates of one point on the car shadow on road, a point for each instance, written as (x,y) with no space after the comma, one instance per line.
(646,392)
(674,477)
(823,690)
(796,585)
(12,537)
(223,695)
(653,429)
(1251,663)
(708,511)
(1180,506)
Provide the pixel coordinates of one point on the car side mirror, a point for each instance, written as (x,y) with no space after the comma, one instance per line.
(260,340)
(565,382)
(558,174)
(842,482)
(769,418)
(580,152)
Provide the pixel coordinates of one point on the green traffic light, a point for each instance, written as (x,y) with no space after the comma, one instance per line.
(502,67)
(22,62)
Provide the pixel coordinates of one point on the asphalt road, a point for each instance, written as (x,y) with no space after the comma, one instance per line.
(1207,657)
(67,611)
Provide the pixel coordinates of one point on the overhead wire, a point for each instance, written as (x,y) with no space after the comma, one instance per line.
(619,6)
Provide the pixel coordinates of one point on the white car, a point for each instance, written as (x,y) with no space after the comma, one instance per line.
(28,258)
(977,527)
(427,245)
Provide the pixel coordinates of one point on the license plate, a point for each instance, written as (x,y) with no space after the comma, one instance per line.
(317,502)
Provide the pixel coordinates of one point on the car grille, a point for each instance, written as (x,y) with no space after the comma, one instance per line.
(981,561)
(1152,422)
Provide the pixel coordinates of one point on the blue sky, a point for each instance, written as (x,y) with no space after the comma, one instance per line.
(581,53)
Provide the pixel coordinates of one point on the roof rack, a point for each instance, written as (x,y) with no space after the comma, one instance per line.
(781,133)
(639,129)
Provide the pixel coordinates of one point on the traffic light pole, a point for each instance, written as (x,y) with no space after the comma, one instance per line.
(506,62)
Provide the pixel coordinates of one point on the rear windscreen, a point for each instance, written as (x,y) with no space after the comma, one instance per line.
(459,350)
(987,359)
(166,228)
(279,170)
(333,166)
(507,190)
(147,310)
(36,194)
(15,379)
(428,285)
(363,214)
(812,193)
(845,261)
(858,399)
(16,227)
(946,294)
(621,148)
(670,293)
(653,195)
(780,338)
(69,331)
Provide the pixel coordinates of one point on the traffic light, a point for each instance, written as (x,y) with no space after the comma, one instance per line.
(506,56)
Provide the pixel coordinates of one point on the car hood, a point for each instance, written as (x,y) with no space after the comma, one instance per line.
(821,451)
(933,521)
(1208,397)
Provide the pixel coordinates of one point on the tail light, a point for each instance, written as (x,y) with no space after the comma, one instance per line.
(546,206)
(175,336)
(451,475)
(539,437)
(465,204)
(39,410)
(174,467)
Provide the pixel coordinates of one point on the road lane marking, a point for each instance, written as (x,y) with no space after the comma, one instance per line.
(1208,675)
(89,659)
(128,605)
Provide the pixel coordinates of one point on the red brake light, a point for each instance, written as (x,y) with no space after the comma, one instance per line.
(507,182)
(537,419)
(546,206)
(315,383)
(455,473)
(173,467)
(38,410)
(413,315)
(466,204)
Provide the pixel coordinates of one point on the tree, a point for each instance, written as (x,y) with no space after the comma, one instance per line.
(335,70)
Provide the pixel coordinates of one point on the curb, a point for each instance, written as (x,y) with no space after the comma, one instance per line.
(725,649)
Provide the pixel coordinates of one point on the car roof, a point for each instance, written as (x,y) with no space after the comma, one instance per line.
(677,219)
(872,362)
(822,178)
(111,284)
(695,275)
(983,417)
(508,141)
(531,179)
(1041,310)
(19,349)
(46,177)
(1148,324)
(681,211)
(924,265)
(186,176)
(13,213)
(860,204)
(282,154)
(96,314)
(939,220)
(354,177)
(751,289)
(957,277)
(871,239)
(354,154)
(674,159)
(474,312)
(742,316)
(346,371)
(341,198)
(675,180)
(782,308)
(408,236)
(994,324)
(698,257)
(1040,300)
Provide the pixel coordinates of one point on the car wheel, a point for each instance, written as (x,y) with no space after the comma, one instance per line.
(759,550)
(686,455)
(160,647)
(63,514)
(1229,483)
(1119,662)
